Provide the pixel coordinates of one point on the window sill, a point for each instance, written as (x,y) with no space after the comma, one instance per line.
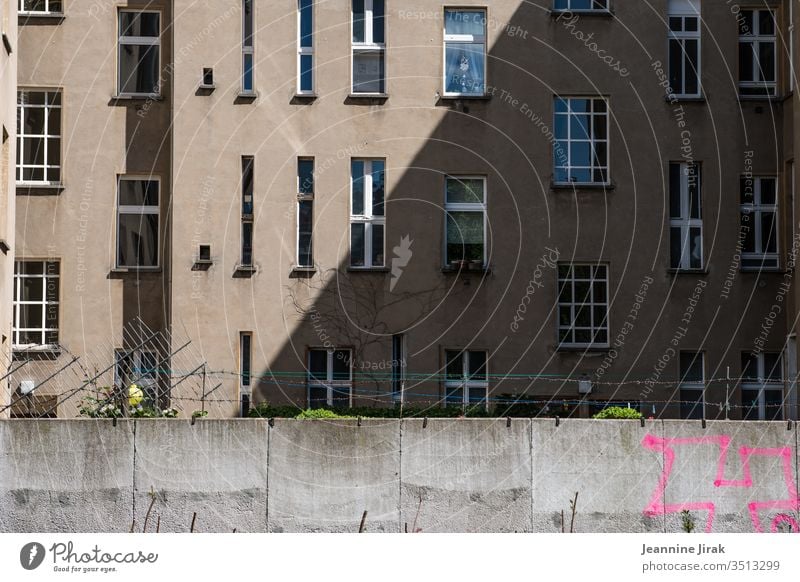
(759,98)
(467,270)
(246,97)
(684,99)
(204,90)
(302,272)
(4,246)
(119,272)
(581,186)
(135,97)
(687,271)
(24,18)
(369,98)
(381,270)
(454,97)
(585,350)
(48,350)
(43,189)
(766,270)
(244,271)
(557,14)
(202,265)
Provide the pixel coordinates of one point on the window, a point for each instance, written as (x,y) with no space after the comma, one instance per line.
(369,47)
(692,385)
(762,386)
(305,47)
(464,52)
(583,305)
(40,7)
(139,53)
(465,226)
(367,216)
(759,220)
(246,259)
(330,379)
(138,222)
(684,47)
(248,53)
(685,216)
(245,360)
(580,152)
(139,367)
(576,5)
(36,304)
(398,366)
(305,212)
(39,137)
(466,378)
(757,60)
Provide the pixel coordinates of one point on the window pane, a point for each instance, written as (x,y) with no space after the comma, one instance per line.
(454,365)
(773,404)
(675,175)
(305,176)
(318,365)
(32,289)
(378,187)
(750,407)
(676,65)
(746,62)
(341,365)
(695,248)
(306,23)
(769,235)
(306,73)
(749,366)
(304,251)
(34,121)
(464,190)
(368,72)
(359,30)
(691,404)
(139,24)
(378,24)
(768,191)
(357,242)
(691,366)
(317,396)
(138,240)
(138,193)
(31,316)
(377,245)
(465,236)
(247,243)
(138,69)
(692,55)
(247,72)
(464,66)
(675,247)
(247,32)
(464,22)
(357,173)
(766,22)
(773,370)
(766,61)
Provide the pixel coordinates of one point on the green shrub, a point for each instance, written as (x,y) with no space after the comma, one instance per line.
(618,413)
(319,413)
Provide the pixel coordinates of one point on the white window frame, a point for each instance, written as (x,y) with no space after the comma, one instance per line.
(465,207)
(685,222)
(569,8)
(247,219)
(770,261)
(762,384)
(45,304)
(686,10)
(468,39)
(301,198)
(692,386)
(569,166)
(305,51)
(329,382)
(46,137)
(245,378)
(369,45)
(573,306)
(47,10)
(367,218)
(140,211)
(138,41)
(466,384)
(249,50)
(755,40)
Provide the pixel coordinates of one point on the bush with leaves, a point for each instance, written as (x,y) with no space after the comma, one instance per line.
(618,413)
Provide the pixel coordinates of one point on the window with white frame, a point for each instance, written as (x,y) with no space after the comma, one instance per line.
(248,191)
(138,222)
(466,378)
(140,367)
(41,7)
(692,386)
(685,216)
(580,152)
(465,220)
(369,47)
(305,212)
(248,53)
(330,378)
(305,47)
(464,51)
(582,305)
(759,222)
(581,5)
(36,304)
(367,213)
(757,52)
(139,60)
(684,47)
(762,386)
(38,137)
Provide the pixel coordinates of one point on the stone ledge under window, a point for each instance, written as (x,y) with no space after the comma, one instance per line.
(125,272)
(124,99)
(687,271)
(40,18)
(204,90)
(244,271)
(581,186)
(557,13)
(770,99)
(30,189)
(681,99)
(7,44)
(302,272)
(366,99)
(245,97)
(36,353)
(299,98)
(202,264)
(381,270)
(762,271)
(442,98)
(481,270)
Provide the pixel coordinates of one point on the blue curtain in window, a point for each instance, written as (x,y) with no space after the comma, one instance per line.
(465,69)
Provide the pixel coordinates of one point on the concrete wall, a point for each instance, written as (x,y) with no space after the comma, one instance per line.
(436,475)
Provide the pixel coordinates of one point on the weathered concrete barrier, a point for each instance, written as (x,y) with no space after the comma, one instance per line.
(451,475)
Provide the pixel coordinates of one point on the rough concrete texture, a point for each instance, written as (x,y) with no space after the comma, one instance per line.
(60,476)
(605,463)
(324,474)
(467,475)
(731,476)
(217,469)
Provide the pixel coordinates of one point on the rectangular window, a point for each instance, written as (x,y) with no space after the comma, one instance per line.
(367,215)
(685,216)
(138,222)
(141,368)
(580,153)
(757,54)
(245,361)
(39,137)
(305,47)
(398,366)
(581,5)
(36,304)
(762,386)
(305,212)
(583,305)
(41,7)
(465,220)
(684,47)
(464,52)
(248,54)
(330,378)
(246,259)
(759,222)
(466,378)
(692,385)
(139,53)
(369,47)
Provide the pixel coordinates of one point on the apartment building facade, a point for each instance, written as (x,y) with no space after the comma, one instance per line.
(367,203)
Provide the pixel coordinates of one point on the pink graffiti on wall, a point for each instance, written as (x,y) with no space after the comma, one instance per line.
(658,505)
